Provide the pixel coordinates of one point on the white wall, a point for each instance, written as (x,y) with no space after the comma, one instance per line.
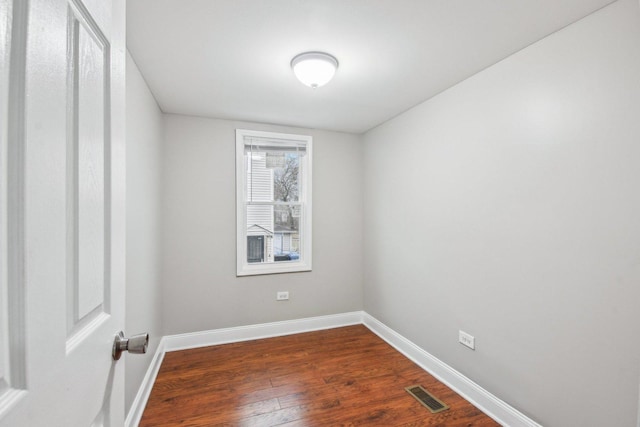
(509,207)
(200,287)
(144,144)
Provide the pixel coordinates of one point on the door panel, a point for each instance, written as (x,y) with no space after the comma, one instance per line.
(255,248)
(88,145)
(62,211)
(12,307)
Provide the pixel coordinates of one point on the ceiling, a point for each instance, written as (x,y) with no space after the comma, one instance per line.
(230,59)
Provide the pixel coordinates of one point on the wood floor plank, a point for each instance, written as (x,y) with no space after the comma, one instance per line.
(338,377)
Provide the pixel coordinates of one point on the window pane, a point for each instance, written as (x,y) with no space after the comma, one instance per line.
(273,176)
(286,239)
(273,233)
(286,176)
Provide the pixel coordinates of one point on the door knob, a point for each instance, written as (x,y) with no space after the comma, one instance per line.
(136,344)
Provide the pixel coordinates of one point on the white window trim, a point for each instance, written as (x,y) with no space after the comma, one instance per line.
(243,268)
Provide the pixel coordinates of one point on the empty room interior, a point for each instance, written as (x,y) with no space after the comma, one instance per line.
(475,169)
(337,212)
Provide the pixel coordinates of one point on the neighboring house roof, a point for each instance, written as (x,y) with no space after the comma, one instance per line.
(283,229)
(257,227)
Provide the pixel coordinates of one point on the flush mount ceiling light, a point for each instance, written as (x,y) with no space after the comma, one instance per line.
(314,69)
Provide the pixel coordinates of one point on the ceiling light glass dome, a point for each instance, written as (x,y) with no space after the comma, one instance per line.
(314,69)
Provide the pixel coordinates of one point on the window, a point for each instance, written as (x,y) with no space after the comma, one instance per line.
(273,194)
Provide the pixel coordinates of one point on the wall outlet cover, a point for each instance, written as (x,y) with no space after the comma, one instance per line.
(467,340)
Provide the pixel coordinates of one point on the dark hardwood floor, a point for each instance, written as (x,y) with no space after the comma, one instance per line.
(338,377)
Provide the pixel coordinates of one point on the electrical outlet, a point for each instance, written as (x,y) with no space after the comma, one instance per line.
(467,340)
(282,295)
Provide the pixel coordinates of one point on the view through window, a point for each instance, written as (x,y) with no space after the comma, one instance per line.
(273,184)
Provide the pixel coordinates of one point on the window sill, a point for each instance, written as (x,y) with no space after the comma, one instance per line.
(272,268)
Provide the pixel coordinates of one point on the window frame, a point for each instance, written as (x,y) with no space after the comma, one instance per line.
(243,267)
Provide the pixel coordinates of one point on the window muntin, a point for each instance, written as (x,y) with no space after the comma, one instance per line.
(273,185)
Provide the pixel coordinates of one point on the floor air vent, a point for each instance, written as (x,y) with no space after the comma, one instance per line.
(431,402)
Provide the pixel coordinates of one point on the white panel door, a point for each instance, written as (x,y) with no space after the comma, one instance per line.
(61,211)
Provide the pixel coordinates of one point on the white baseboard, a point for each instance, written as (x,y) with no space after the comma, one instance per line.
(264,330)
(639,406)
(140,402)
(479,397)
(482,399)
